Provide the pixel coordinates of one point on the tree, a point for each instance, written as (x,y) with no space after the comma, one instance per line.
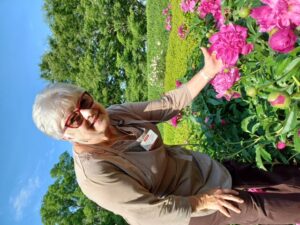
(65,204)
(99,45)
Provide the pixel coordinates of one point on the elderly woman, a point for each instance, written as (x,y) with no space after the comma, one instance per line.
(122,164)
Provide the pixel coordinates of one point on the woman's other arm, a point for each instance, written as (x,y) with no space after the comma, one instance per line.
(173,101)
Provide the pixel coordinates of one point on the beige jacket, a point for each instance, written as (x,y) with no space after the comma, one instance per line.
(147,187)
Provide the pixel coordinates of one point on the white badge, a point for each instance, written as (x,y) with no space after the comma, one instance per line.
(148,140)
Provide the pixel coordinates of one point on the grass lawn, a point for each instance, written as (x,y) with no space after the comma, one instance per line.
(176,66)
(157,44)
(166,60)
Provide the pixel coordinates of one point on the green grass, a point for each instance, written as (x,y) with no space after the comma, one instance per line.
(157,44)
(176,66)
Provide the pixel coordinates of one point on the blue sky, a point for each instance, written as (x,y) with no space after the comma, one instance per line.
(26,154)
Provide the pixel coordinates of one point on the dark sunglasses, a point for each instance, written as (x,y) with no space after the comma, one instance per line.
(75,119)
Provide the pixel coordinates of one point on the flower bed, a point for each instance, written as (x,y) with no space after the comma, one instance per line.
(250,110)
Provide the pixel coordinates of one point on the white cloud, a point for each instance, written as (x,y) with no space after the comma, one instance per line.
(23,197)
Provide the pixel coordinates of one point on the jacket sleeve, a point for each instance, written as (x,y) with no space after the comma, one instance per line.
(114,190)
(157,110)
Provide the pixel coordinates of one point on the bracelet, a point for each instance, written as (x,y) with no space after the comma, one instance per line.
(205,76)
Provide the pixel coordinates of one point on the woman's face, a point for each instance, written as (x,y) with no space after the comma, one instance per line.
(94,124)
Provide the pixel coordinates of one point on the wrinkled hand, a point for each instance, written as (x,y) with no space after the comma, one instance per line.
(218,199)
(212,65)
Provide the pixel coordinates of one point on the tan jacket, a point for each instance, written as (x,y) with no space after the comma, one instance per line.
(147,187)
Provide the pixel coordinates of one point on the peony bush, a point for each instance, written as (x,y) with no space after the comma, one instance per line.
(250,110)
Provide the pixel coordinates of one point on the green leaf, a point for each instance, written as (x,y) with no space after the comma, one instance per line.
(271,128)
(261,153)
(249,124)
(296,140)
(291,121)
(214,102)
(266,155)
(292,65)
(282,65)
(258,160)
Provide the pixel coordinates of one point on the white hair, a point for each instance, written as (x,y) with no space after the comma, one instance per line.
(52,105)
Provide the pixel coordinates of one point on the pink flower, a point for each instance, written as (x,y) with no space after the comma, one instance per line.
(280,145)
(168,27)
(229,42)
(277,13)
(168,23)
(224,80)
(256,190)
(175,119)
(264,17)
(299,133)
(178,83)
(182,31)
(279,99)
(212,7)
(283,40)
(165,11)
(188,5)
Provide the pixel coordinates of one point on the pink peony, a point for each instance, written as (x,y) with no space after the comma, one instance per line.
(188,5)
(264,17)
(224,81)
(277,13)
(229,42)
(280,145)
(178,83)
(283,40)
(182,31)
(212,7)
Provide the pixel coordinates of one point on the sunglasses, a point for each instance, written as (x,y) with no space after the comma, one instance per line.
(75,119)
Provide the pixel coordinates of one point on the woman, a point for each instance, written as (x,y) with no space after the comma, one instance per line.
(122,164)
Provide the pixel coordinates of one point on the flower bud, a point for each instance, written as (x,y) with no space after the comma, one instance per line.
(178,83)
(280,145)
(251,91)
(279,100)
(244,12)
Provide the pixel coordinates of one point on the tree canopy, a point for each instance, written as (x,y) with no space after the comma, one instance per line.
(65,204)
(99,45)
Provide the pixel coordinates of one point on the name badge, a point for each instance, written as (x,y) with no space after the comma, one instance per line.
(148,140)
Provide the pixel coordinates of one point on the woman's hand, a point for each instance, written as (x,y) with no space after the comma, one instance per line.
(218,199)
(212,65)
(211,68)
